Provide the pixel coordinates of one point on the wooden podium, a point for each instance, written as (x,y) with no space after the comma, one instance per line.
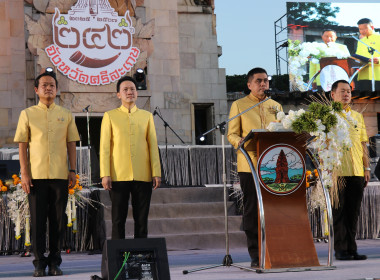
(285,238)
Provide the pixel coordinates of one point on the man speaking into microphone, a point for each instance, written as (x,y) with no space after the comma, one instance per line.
(256,118)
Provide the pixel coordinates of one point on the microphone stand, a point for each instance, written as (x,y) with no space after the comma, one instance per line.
(371,51)
(88,145)
(227,260)
(166,125)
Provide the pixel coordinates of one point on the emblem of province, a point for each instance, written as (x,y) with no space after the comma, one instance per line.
(92,44)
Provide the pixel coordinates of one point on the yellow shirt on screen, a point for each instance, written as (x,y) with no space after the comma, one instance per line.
(374,42)
(128,145)
(315,67)
(257,118)
(352,160)
(47,130)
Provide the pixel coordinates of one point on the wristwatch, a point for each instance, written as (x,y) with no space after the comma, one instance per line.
(367,169)
(72,170)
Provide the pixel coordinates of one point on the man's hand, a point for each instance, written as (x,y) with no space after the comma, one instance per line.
(107,183)
(367,177)
(156,182)
(376,60)
(241,141)
(72,179)
(26,182)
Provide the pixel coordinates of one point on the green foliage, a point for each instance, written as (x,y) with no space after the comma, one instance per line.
(317,111)
(305,123)
(329,121)
(337,106)
(268,180)
(296,177)
(311,12)
(237,83)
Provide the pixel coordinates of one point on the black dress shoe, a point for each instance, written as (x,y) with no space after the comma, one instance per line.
(358,257)
(54,270)
(343,256)
(255,263)
(39,272)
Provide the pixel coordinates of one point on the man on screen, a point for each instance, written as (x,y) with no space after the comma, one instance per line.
(257,118)
(371,38)
(329,37)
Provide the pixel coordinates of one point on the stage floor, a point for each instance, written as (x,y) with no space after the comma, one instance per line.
(80,266)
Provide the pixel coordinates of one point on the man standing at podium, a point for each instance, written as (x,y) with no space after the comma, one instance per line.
(129,160)
(329,37)
(354,176)
(256,118)
(371,38)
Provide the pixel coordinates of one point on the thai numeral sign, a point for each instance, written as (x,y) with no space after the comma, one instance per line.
(92,44)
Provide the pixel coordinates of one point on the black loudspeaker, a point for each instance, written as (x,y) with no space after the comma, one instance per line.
(142,258)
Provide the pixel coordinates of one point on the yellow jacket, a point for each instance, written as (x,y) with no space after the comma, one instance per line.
(128,145)
(47,130)
(352,160)
(257,118)
(374,42)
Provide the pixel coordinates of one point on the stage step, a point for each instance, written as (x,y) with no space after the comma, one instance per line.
(188,217)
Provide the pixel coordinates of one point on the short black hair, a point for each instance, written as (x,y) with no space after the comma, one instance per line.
(365,21)
(336,83)
(328,30)
(125,78)
(254,71)
(46,73)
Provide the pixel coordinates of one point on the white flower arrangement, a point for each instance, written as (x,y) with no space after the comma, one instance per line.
(330,129)
(18,210)
(301,53)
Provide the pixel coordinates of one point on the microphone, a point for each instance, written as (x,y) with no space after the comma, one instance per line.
(155,111)
(86,109)
(351,34)
(269,92)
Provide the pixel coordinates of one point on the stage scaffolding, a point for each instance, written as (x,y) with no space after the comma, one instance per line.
(281,43)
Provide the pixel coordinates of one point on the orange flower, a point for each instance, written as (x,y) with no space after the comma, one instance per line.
(308,173)
(4,188)
(77,176)
(71,191)
(316,174)
(14,176)
(307,184)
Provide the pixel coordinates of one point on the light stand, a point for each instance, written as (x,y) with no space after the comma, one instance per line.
(227,260)
(166,125)
(371,51)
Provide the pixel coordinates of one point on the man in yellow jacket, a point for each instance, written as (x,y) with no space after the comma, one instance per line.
(371,38)
(353,178)
(129,160)
(47,135)
(257,118)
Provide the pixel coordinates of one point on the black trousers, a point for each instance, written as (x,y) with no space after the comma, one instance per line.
(250,218)
(346,215)
(48,200)
(141,193)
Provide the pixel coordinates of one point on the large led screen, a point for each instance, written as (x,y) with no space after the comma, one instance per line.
(323,45)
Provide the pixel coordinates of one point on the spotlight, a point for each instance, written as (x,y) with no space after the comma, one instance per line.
(140,78)
(202,138)
(49,69)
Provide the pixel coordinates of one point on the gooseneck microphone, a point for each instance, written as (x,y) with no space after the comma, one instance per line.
(86,109)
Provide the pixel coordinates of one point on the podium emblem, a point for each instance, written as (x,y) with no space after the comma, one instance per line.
(281,169)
